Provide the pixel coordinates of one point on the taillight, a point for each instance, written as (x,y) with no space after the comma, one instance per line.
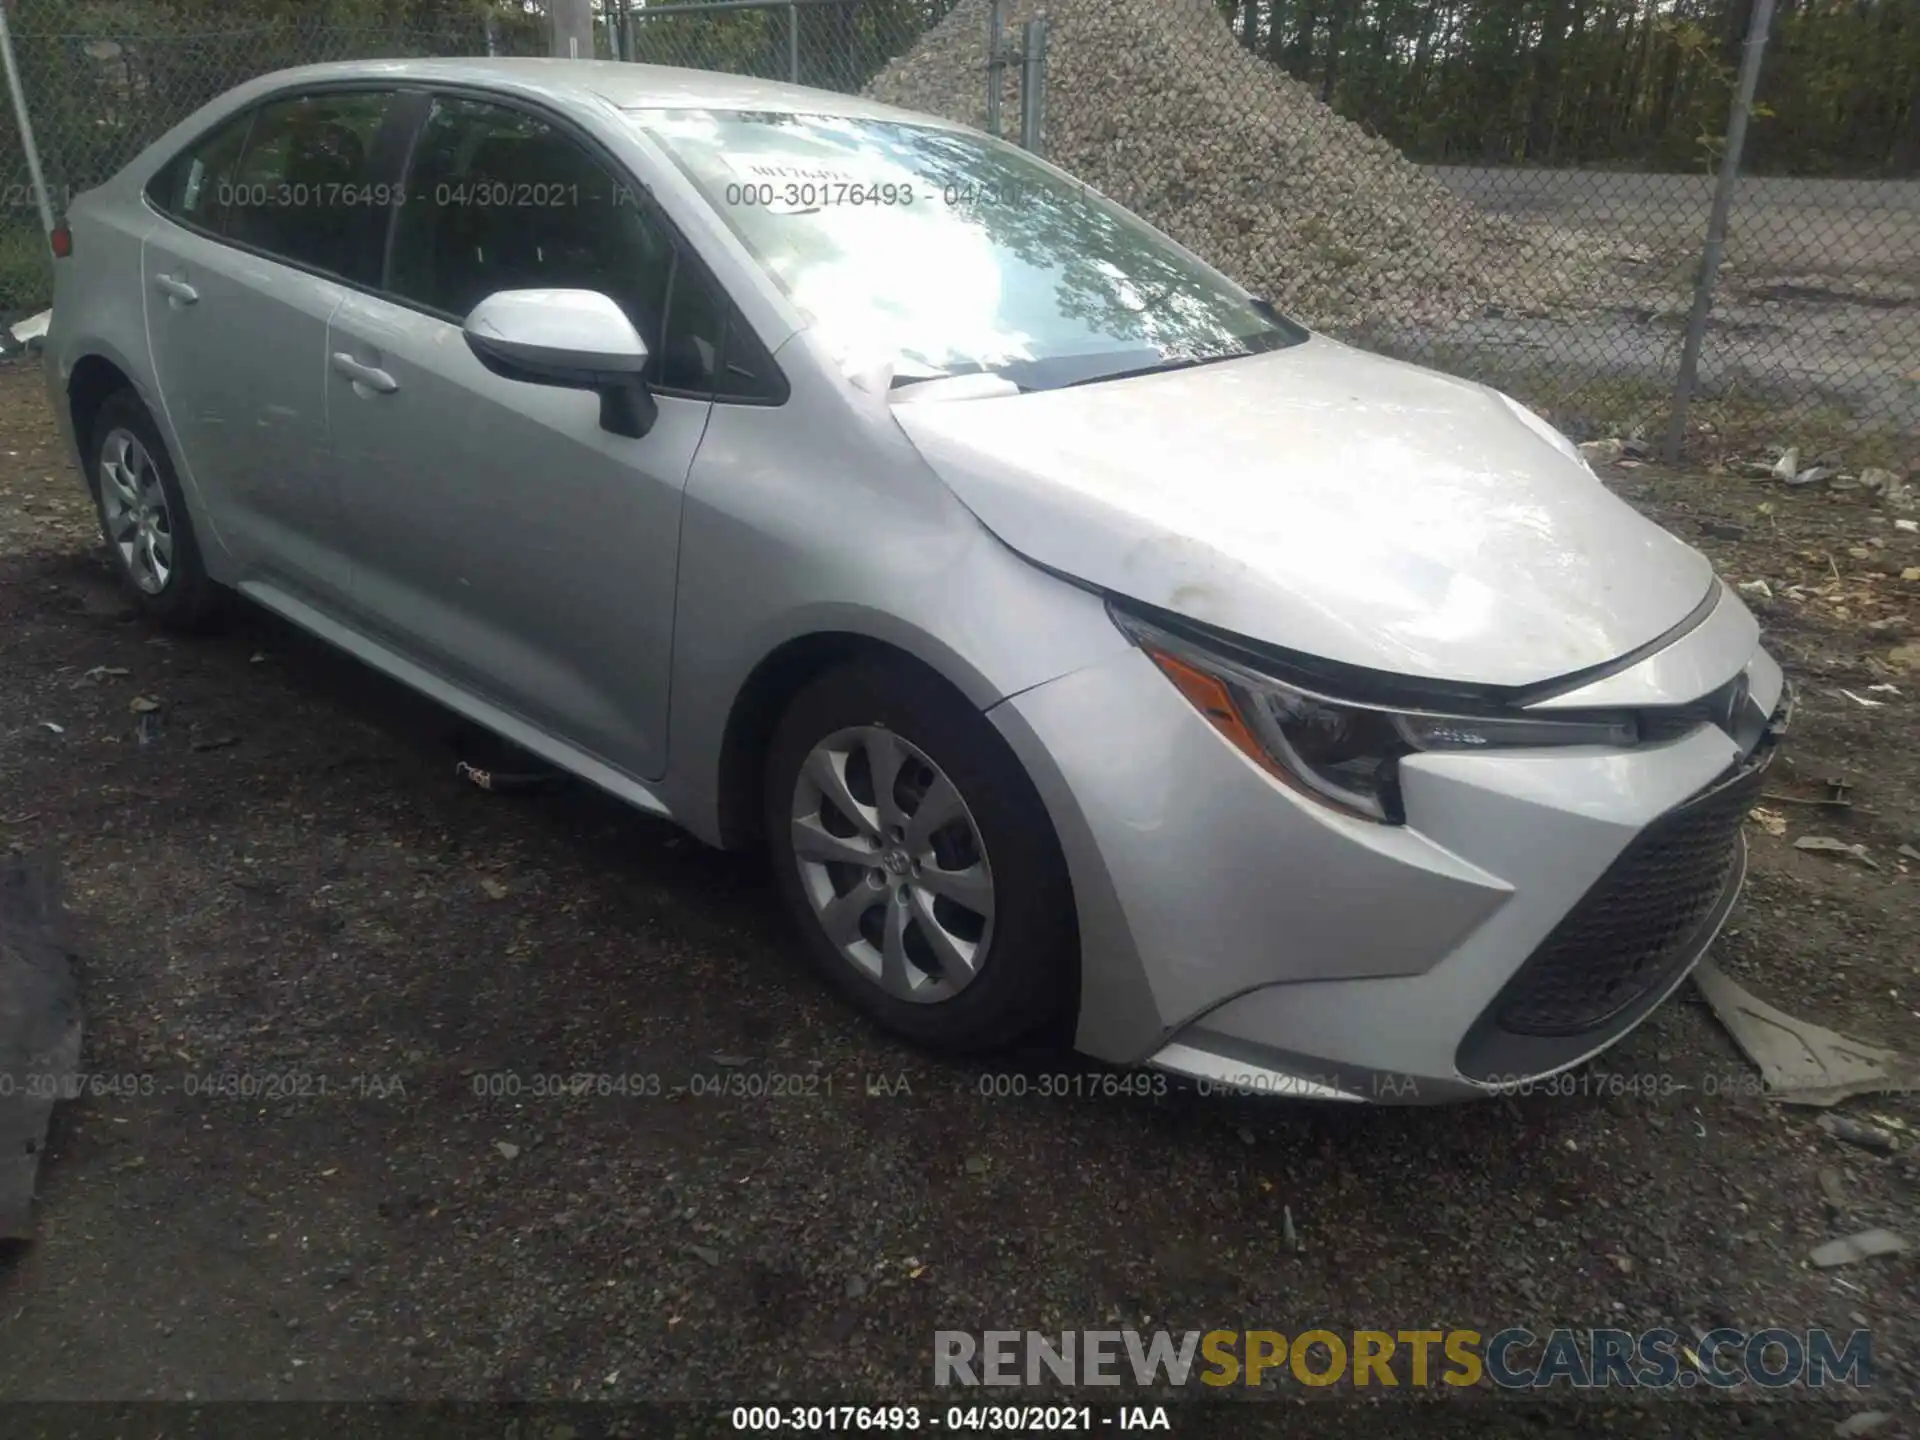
(62,241)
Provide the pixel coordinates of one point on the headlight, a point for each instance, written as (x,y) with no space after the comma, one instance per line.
(1343,753)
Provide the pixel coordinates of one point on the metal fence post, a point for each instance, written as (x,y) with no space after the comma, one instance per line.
(994,64)
(1033,84)
(572,22)
(34,172)
(793,42)
(1717,227)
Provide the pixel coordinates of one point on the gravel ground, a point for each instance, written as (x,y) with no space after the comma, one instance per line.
(290,882)
(1156,104)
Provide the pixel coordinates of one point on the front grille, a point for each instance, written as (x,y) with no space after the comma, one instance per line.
(1672,722)
(1640,922)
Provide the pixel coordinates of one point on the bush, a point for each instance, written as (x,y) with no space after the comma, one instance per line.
(26,270)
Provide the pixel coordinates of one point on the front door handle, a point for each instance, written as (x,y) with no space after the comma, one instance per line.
(176,290)
(374,378)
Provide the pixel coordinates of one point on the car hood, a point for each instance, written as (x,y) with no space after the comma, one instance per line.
(1328,501)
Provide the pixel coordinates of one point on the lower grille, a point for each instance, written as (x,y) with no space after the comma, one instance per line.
(1639,922)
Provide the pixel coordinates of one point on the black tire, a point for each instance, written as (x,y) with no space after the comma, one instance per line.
(189,599)
(1027,976)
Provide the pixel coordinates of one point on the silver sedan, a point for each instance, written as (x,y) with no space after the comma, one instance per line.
(1090,644)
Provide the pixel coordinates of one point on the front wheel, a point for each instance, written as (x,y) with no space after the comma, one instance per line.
(917,859)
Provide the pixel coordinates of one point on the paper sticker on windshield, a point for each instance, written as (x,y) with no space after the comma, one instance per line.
(785,185)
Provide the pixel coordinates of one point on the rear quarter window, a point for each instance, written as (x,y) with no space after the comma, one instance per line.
(196,186)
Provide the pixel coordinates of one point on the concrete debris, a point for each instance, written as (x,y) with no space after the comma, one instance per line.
(1865,1423)
(1831,1190)
(1827,845)
(30,334)
(1864,1246)
(1856,1132)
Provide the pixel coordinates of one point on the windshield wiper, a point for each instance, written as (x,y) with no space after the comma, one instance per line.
(986,382)
(1159,367)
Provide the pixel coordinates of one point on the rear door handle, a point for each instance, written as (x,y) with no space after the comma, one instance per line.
(375,379)
(176,289)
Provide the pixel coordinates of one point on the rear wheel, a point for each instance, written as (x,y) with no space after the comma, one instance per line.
(917,859)
(143,516)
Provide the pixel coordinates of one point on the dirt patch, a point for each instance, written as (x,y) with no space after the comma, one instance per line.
(1826,295)
(1834,938)
(317,968)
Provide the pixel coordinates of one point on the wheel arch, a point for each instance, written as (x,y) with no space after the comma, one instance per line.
(764,697)
(783,674)
(92,379)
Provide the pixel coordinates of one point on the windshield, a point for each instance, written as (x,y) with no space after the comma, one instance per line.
(940,253)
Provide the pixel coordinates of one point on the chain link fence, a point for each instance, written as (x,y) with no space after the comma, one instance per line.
(1568,286)
(829,44)
(96,99)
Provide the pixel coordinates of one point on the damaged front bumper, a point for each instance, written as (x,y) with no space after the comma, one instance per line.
(1532,910)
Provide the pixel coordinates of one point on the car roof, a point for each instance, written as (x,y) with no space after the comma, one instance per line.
(619,83)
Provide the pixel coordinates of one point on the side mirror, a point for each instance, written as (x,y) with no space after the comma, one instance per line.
(576,339)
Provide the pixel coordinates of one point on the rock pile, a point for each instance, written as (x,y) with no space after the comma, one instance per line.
(1155,104)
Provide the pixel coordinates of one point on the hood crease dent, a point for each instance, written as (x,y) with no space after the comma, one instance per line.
(1326,501)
